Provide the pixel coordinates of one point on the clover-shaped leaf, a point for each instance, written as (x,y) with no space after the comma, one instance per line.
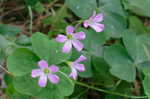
(21,62)
(120,62)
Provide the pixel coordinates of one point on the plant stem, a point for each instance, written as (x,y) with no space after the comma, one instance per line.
(5,69)
(31,19)
(109,92)
(81,93)
(67,77)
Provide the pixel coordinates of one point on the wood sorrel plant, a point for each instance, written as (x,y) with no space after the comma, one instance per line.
(24,63)
(105,49)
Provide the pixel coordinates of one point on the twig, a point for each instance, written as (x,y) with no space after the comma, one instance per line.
(52,3)
(5,70)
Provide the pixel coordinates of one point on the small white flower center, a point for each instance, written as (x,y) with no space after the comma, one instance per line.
(46,71)
(69,63)
(90,21)
(69,36)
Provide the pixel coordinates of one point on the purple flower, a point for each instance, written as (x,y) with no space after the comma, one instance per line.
(71,39)
(45,72)
(93,22)
(76,66)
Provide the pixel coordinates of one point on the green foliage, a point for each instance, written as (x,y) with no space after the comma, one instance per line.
(39,7)
(79,7)
(117,61)
(101,72)
(120,62)
(137,46)
(146,85)
(22,61)
(9,30)
(139,7)
(114,24)
(56,56)
(137,25)
(113,6)
(40,42)
(4,43)
(26,85)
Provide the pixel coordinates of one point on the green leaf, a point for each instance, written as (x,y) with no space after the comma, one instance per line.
(137,46)
(41,45)
(49,50)
(65,84)
(31,2)
(114,24)
(122,87)
(9,30)
(2,56)
(145,67)
(39,7)
(57,20)
(101,72)
(8,81)
(129,39)
(57,91)
(51,91)
(139,7)
(19,96)
(23,40)
(56,54)
(79,7)
(26,85)
(146,85)
(113,6)
(7,46)
(94,47)
(4,43)
(21,62)
(137,25)
(121,64)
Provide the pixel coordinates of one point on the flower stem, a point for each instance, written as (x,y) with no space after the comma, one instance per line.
(31,19)
(67,77)
(109,92)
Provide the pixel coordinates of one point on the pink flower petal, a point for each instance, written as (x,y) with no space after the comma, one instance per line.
(67,47)
(36,73)
(53,68)
(79,67)
(53,78)
(43,64)
(97,27)
(77,44)
(61,38)
(80,59)
(93,16)
(70,29)
(73,73)
(98,18)
(79,35)
(42,80)
(86,23)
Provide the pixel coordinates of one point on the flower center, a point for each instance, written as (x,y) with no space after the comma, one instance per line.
(46,71)
(90,21)
(69,63)
(69,36)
